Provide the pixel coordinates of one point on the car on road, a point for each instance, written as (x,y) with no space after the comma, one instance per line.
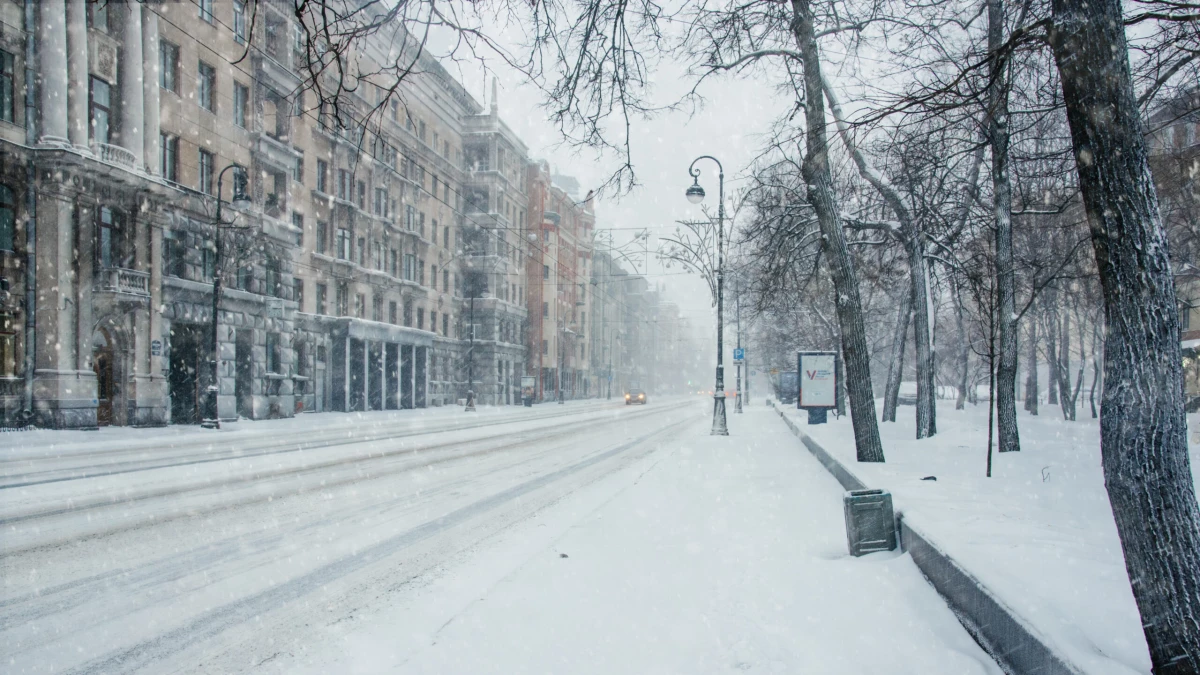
(635,396)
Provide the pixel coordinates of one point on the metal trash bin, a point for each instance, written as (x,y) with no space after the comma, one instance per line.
(870,522)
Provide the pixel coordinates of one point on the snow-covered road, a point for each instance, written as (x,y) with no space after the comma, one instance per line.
(609,539)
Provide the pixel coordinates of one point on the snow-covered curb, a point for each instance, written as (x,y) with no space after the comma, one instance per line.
(1008,638)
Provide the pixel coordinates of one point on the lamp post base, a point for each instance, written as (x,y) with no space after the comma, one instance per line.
(470,402)
(718,425)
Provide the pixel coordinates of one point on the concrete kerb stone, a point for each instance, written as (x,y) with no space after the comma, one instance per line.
(1011,641)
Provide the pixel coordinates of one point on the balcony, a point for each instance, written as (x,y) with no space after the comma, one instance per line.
(116,155)
(275,152)
(124,285)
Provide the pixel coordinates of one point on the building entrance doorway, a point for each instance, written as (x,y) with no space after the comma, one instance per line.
(190,372)
(102,364)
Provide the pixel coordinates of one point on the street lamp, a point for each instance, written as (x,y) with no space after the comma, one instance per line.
(695,195)
(239,201)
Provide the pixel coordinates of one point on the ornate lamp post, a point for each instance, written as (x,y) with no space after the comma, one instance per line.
(695,195)
(239,201)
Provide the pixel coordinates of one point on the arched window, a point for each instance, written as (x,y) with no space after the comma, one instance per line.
(8,218)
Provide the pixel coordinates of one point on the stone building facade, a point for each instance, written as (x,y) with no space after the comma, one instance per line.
(379,259)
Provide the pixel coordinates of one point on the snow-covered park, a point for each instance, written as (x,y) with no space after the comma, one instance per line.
(1039,533)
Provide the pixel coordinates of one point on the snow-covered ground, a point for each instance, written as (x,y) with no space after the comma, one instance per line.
(710,555)
(619,540)
(1039,533)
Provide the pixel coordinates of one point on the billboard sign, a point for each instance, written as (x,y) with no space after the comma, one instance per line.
(818,379)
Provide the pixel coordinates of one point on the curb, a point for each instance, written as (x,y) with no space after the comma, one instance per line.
(1015,645)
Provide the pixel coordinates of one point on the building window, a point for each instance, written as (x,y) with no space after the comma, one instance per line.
(392,312)
(408,312)
(343,300)
(545,271)
(420,318)
(433,277)
(168,66)
(239,21)
(8,346)
(206,87)
(298,171)
(393,267)
(362,251)
(273,349)
(241,101)
(245,276)
(98,16)
(8,218)
(169,154)
(410,218)
(322,236)
(208,262)
(381,202)
(298,292)
(274,279)
(410,265)
(432,321)
(206,164)
(109,244)
(445,324)
(100,101)
(421,130)
(360,305)
(343,186)
(343,243)
(206,9)
(7,87)
(545,310)
(322,176)
(545,347)
(362,195)
(298,224)
(376,308)
(322,297)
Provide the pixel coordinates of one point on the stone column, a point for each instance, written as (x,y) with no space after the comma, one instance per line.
(52,67)
(150,72)
(131,76)
(77,75)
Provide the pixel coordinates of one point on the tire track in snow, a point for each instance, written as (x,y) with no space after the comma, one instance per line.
(246,609)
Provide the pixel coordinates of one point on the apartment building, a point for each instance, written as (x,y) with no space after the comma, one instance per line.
(341,284)
(391,253)
(495,245)
(558,268)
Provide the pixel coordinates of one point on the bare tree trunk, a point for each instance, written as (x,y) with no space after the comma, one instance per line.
(914,245)
(1006,368)
(1052,357)
(1143,429)
(891,392)
(819,180)
(1031,383)
(1095,366)
(963,347)
(1063,368)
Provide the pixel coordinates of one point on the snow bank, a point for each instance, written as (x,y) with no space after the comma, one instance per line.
(1039,533)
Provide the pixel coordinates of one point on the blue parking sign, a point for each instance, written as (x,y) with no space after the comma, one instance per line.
(739,354)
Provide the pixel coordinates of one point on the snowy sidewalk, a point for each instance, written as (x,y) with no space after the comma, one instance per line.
(1039,534)
(715,554)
